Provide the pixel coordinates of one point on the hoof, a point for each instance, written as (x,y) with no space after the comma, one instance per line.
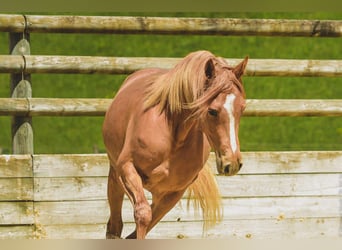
(112,237)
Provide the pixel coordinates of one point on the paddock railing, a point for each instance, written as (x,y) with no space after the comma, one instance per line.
(165,25)
(126,65)
(276,195)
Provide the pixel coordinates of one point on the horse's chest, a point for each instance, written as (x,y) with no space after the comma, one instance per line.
(163,165)
(188,159)
(175,173)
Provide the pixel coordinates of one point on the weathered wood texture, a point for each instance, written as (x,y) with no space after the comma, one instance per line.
(276,195)
(14,166)
(127,65)
(168,25)
(98,107)
(20,87)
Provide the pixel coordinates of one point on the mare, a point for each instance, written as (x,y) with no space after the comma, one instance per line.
(158,134)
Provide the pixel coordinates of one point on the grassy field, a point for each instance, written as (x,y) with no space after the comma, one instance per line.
(83,134)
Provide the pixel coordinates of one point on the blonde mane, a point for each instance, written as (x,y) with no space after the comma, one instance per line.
(183,86)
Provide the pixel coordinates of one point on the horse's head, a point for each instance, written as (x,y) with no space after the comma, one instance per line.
(221,119)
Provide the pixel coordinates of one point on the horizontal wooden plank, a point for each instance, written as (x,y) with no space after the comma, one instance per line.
(78,188)
(309,228)
(90,188)
(15,166)
(276,208)
(68,106)
(14,106)
(85,231)
(71,165)
(127,65)
(74,212)
(279,185)
(10,232)
(283,162)
(12,23)
(293,107)
(98,107)
(54,106)
(279,208)
(248,229)
(11,64)
(171,25)
(16,189)
(16,213)
(83,165)
(290,67)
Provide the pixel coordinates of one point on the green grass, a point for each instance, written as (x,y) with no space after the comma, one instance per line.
(82,134)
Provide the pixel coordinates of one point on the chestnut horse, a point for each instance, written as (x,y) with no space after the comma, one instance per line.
(158,133)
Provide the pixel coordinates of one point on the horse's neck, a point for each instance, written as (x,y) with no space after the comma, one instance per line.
(183,129)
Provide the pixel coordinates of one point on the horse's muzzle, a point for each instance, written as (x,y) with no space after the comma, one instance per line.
(229,170)
(226,167)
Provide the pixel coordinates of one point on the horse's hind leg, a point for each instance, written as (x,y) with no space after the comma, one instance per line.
(115,194)
(160,206)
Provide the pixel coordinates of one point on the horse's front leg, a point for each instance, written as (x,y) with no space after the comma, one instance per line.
(161,204)
(133,186)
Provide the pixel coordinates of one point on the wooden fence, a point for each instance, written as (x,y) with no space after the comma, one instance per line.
(277,195)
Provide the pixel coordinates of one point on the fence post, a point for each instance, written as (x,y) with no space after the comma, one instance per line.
(22,133)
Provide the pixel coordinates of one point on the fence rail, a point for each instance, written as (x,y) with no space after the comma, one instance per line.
(169,25)
(98,107)
(127,65)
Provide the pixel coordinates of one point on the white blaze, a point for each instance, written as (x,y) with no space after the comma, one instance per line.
(229,106)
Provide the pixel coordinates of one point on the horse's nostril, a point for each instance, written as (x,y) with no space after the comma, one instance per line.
(226,169)
(240,166)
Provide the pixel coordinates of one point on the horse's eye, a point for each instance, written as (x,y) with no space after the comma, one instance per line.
(213,112)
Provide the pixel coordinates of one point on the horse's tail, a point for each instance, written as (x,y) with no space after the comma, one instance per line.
(204,193)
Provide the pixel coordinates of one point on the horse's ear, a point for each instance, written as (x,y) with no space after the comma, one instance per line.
(239,70)
(210,69)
